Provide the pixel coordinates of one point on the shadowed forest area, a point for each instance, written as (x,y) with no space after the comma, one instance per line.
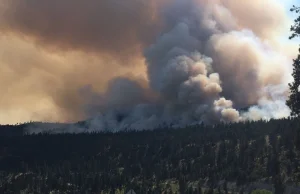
(224,158)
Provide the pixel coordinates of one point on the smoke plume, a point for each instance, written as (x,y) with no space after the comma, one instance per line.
(142,64)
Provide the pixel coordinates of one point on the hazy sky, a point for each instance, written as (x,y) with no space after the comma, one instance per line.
(44,72)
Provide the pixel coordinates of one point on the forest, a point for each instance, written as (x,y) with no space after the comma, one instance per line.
(223,158)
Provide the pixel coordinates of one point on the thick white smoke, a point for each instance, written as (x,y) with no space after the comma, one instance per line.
(211,61)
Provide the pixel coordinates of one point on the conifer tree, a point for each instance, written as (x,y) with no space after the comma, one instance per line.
(294,100)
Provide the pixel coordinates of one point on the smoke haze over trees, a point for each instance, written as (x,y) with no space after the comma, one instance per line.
(153,65)
(154,62)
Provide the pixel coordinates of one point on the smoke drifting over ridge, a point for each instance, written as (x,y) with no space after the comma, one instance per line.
(194,61)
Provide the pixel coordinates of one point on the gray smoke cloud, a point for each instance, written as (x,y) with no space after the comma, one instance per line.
(209,60)
(204,68)
(112,27)
(51,49)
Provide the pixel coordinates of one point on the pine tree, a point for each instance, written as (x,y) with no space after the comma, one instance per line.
(294,100)
(182,185)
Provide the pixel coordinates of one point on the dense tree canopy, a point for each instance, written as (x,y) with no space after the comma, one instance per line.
(194,159)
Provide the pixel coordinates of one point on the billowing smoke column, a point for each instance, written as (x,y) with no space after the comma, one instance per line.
(211,59)
(203,68)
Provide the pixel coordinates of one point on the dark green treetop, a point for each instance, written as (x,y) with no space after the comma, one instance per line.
(294,100)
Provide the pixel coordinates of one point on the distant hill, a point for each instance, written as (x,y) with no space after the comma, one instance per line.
(40,127)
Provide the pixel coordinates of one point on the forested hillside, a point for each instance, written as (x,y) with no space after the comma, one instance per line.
(196,159)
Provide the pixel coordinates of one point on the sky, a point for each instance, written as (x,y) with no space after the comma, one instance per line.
(64,62)
(288,4)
